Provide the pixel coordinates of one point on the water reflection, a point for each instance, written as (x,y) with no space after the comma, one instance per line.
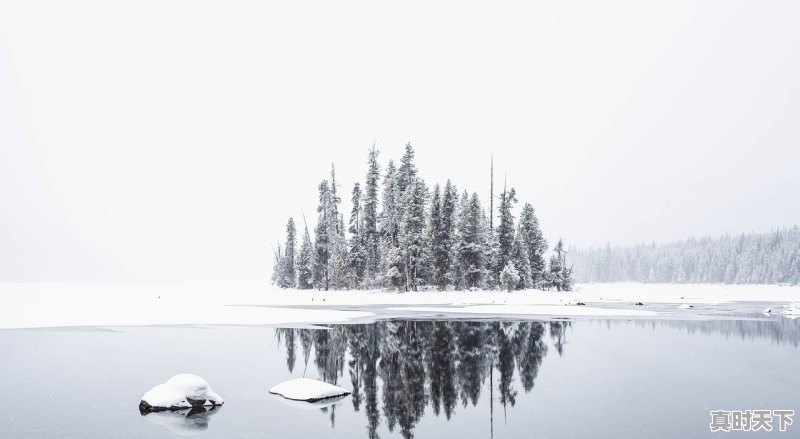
(779,330)
(411,365)
(398,369)
(184,422)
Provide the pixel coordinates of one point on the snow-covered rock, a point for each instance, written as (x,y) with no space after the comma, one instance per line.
(182,391)
(305,389)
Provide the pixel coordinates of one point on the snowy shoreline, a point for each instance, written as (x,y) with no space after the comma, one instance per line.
(70,305)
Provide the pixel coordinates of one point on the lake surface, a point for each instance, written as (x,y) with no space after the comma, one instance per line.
(410,378)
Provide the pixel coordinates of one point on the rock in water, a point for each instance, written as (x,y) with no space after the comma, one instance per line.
(180,392)
(305,389)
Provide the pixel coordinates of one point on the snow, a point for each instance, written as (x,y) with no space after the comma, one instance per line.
(534,310)
(306,389)
(69,305)
(65,305)
(792,310)
(178,390)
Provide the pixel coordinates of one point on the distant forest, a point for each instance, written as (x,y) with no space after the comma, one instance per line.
(404,235)
(755,258)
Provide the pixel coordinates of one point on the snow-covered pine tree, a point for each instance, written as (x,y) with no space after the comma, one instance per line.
(434,222)
(447,231)
(509,277)
(505,229)
(472,243)
(413,234)
(559,275)
(356,254)
(554,271)
(322,239)
(338,243)
(370,215)
(407,173)
(491,256)
(406,179)
(491,193)
(519,258)
(277,268)
(389,227)
(305,263)
(535,244)
(289,272)
(457,265)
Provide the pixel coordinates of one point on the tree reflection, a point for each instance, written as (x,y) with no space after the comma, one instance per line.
(399,368)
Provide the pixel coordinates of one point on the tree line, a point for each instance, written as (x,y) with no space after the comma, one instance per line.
(754,258)
(403,235)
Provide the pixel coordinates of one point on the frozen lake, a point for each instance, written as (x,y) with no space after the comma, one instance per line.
(421,378)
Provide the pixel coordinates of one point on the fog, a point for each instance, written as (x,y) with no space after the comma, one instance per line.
(156,141)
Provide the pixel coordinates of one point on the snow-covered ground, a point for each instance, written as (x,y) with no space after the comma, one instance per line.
(56,305)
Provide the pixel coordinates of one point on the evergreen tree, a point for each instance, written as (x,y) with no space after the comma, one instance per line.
(322,275)
(305,263)
(509,277)
(492,256)
(289,272)
(389,223)
(472,243)
(412,233)
(278,270)
(444,253)
(457,264)
(405,181)
(434,222)
(370,215)
(559,276)
(407,173)
(519,258)
(535,244)
(505,230)
(491,194)
(338,243)
(356,254)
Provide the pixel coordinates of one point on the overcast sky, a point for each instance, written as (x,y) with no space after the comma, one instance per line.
(171,140)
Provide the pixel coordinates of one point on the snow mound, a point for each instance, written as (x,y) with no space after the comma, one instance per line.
(305,389)
(792,310)
(182,391)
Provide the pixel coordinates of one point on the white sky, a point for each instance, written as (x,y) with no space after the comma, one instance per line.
(170,140)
